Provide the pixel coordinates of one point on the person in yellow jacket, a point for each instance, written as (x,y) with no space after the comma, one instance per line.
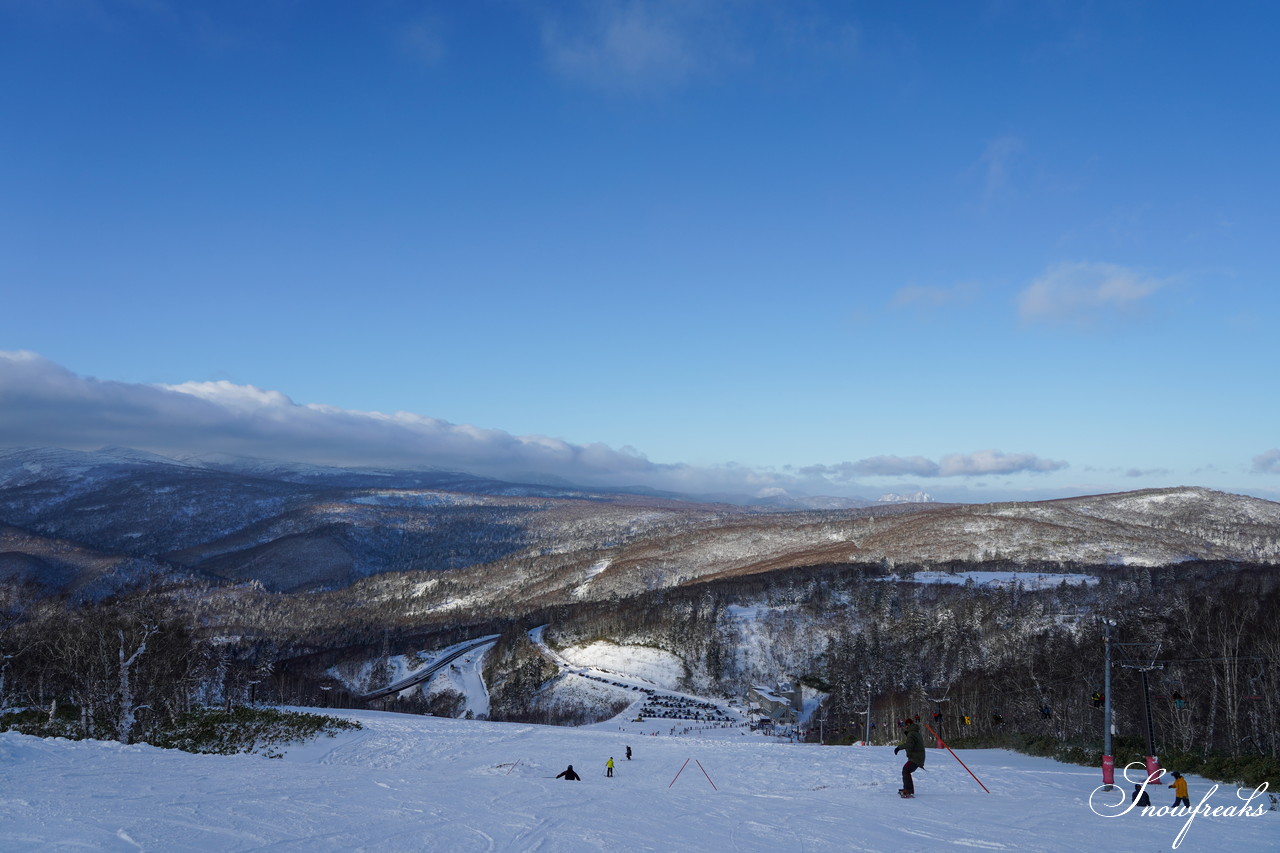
(608,766)
(1179,787)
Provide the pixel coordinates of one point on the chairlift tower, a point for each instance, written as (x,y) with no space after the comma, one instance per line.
(866,724)
(1154,772)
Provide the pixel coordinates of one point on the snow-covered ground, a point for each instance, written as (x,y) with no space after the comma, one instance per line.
(596,568)
(408,783)
(634,664)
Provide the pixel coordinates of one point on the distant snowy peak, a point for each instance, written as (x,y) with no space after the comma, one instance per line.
(913,498)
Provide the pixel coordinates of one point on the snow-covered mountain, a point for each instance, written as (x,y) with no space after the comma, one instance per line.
(69,517)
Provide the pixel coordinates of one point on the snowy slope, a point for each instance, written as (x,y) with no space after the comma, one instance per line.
(407,783)
(633,664)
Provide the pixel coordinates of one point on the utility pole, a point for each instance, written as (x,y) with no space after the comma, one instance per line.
(867,730)
(1108,759)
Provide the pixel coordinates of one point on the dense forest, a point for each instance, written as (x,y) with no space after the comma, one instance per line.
(1010,665)
(1016,664)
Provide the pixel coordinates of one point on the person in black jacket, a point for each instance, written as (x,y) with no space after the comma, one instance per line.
(569,775)
(914,747)
(1140,797)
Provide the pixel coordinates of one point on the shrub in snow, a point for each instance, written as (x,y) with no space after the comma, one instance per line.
(244,729)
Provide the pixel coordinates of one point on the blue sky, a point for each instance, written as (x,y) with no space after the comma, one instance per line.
(990,250)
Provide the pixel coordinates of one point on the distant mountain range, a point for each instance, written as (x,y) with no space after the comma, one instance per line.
(85,522)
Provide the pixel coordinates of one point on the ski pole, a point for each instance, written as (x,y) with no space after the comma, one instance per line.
(956,757)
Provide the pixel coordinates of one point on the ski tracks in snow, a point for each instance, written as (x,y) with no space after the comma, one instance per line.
(412,784)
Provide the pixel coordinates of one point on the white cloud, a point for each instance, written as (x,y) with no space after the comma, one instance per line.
(640,45)
(986,462)
(927,298)
(1268,462)
(981,463)
(44,404)
(1086,294)
(1147,472)
(646,46)
(894,466)
(996,165)
(422,40)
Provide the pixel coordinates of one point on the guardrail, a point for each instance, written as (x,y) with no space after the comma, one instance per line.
(426,672)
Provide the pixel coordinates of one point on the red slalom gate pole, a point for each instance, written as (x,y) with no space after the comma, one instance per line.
(956,757)
(704,773)
(681,770)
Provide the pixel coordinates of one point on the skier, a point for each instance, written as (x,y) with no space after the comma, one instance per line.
(1179,787)
(914,746)
(628,753)
(608,767)
(1140,796)
(569,775)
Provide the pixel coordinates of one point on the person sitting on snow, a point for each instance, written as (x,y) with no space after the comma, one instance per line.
(569,775)
(1140,796)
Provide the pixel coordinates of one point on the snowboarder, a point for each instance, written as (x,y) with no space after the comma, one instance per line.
(914,746)
(628,753)
(608,767)
(1140,796)
(569,775)
(1179,787)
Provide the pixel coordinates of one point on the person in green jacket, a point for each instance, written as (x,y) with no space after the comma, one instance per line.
(914,746)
